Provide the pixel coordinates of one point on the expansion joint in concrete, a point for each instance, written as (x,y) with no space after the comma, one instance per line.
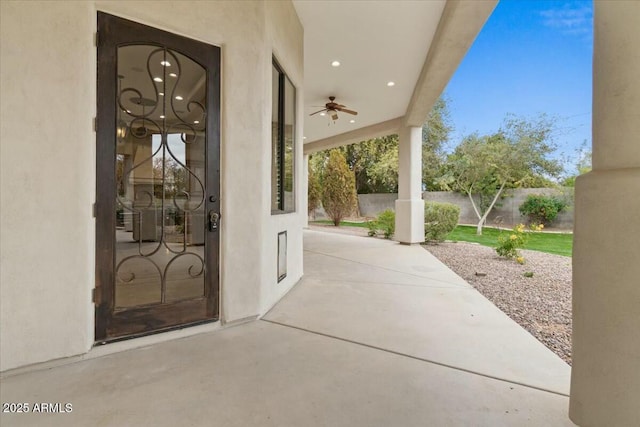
(421,359)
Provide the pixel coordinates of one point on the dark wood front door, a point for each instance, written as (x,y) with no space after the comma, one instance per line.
(158,191)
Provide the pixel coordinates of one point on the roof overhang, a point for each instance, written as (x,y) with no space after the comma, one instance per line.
(416,44)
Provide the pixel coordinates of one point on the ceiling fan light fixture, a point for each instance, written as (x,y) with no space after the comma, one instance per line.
(332,109)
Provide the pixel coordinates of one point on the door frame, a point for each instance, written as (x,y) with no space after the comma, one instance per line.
(113,32)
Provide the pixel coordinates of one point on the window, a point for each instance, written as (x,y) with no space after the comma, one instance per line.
(282,142)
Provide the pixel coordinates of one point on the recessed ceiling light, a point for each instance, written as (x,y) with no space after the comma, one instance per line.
(165,63)
(173,74)
(162,117)
(304,137)
(161,93)
(323,114)
(391,84)
(195,122)
(157,79)
(179,98)
(352,121)
(335,64)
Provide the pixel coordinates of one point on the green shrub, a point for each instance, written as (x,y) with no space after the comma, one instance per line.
(509,243)
(542,209)
(439,220)
(387,223)
(373,227)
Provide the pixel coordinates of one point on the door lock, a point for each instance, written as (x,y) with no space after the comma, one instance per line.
(214,217)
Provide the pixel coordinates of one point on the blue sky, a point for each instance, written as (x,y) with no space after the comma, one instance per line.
(531,57)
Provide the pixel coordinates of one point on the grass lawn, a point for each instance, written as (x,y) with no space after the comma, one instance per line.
(553,243)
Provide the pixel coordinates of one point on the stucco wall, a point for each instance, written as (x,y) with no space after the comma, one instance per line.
(284,37)
(507,213)
(48,101)
(370,205)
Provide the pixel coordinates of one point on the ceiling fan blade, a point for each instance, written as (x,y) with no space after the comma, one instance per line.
(318,112)
(344,110)
(334,116)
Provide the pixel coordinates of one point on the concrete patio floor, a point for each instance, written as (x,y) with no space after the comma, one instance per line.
(375,334)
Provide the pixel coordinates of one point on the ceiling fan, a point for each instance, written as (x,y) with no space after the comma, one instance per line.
(332,108)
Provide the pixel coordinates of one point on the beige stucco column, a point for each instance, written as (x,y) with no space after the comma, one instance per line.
(410,206)
(605,381)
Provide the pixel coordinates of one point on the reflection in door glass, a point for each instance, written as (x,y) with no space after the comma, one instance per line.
(160,177)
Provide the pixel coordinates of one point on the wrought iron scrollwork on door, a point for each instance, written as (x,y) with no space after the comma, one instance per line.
(160,169)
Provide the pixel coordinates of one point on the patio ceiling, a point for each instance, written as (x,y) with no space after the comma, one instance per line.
(415,44)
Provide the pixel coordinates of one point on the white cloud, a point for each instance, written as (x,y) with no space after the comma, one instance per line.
(570,19)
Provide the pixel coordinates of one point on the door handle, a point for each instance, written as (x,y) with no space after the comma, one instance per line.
(214,217)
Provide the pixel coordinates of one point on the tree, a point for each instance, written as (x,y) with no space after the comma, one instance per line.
(382,171)
(170,178)
(374,162)
(339,197)
(515,156)
(314,190)
(583,164)
(435,134)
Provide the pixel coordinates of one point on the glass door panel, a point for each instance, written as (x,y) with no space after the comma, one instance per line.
(163,244)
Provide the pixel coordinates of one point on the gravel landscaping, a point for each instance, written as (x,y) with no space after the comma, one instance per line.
(541,304)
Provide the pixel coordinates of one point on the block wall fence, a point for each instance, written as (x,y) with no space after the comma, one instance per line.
(505,214)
